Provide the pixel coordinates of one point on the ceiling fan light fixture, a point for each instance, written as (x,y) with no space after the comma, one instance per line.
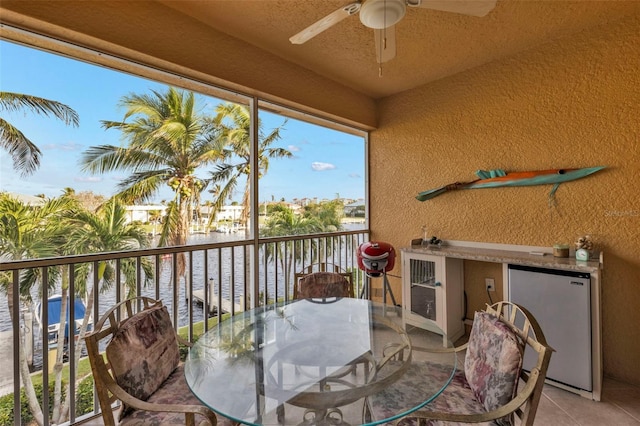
(379,14)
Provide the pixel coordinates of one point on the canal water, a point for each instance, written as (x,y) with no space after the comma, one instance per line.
(166,287)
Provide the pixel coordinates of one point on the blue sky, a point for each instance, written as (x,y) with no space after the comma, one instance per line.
(325,162)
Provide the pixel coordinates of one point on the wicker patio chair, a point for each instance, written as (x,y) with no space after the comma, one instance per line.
(322,285)
(488,389)
(141,368)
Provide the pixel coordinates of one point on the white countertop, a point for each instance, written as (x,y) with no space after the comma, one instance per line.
(481,254)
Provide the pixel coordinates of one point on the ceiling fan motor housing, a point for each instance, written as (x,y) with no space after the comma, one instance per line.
(379,14)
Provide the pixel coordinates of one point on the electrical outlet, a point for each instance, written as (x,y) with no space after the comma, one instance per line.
(490,284)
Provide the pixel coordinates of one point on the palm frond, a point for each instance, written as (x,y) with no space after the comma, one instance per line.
(24,153)
(17,101)
(141,187)
(172,217)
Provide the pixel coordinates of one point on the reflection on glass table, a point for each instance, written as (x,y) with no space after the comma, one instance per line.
(309,361)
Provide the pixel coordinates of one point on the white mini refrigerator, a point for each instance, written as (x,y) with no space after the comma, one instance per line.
(561,302)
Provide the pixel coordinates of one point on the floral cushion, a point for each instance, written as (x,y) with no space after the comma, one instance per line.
(173,391)
(144,352)
(418,380)
(457,397)
(323,284)
(493,362)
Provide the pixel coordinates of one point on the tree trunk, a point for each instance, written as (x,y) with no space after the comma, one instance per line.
(57,368)
(244,217)
(181,239)
(64,411)
(32,399)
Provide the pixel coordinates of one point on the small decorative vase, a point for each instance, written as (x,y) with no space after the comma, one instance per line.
(561,250)
(584,245)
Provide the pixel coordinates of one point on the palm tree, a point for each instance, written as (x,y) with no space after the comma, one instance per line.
(283,221)
(155,216)
(329,213)
(234,121)
(24,153)
(68,192)
(28,232)
(168,140)
(107,230)
(62,227)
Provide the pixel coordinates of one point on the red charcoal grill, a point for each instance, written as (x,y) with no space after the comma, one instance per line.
(376,258)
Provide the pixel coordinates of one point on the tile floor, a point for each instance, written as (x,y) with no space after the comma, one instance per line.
(620,405)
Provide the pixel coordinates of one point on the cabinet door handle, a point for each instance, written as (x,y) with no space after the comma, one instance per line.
(437,284)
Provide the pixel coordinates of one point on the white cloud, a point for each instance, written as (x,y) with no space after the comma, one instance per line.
(321,167)
(293,148)
(88,179)
(69,146)
(354,175)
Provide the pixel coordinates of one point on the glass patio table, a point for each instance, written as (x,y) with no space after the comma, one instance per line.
(310,361)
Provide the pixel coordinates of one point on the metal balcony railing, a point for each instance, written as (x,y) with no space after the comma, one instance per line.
(215,278)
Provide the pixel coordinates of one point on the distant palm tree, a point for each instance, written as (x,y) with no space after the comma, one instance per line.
(329,213)
(24,153)
(167,141)
(283,221)
(68,191)
(235,122)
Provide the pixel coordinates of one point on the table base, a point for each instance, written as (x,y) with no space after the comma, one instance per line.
(329,417)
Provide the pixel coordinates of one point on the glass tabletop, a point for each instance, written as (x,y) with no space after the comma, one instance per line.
(310,361)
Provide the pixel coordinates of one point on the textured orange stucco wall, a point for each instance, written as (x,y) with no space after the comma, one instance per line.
(574,102)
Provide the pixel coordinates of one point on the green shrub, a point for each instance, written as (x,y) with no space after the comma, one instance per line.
(6,405)
(84,402)
(84,396)
(6,410)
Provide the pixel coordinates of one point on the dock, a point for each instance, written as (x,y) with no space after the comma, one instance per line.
(198,297)
(6,353)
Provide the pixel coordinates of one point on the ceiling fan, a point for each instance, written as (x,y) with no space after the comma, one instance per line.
(383,15)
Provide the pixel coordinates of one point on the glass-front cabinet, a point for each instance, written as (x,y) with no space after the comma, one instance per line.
(433,293)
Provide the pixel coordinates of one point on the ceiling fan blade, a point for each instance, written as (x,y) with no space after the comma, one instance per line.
(465,7)
(326,22)
(385,44)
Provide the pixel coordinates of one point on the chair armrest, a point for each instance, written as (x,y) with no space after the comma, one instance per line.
(398,351)
(504,410)
(175,408)
(183,341)
(441,350)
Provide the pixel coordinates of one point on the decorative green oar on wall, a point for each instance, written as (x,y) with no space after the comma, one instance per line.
(497,178)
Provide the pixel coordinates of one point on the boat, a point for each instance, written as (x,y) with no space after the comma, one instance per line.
(497,178)
(53,317)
